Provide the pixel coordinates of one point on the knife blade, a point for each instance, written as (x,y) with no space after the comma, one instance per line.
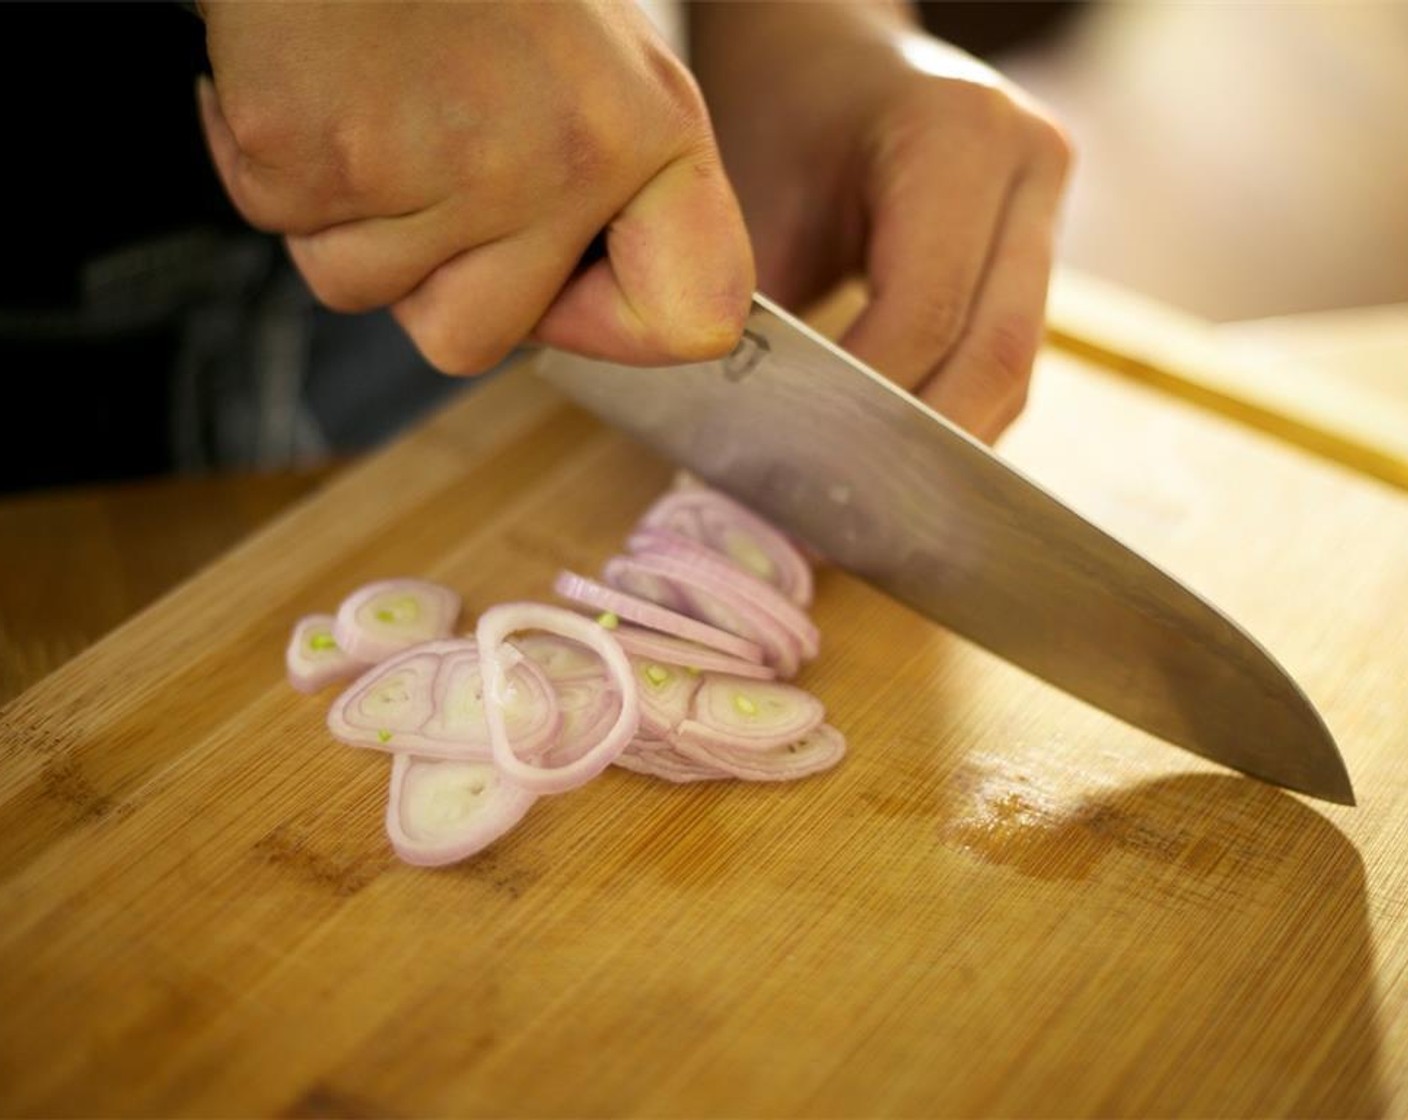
(882,485)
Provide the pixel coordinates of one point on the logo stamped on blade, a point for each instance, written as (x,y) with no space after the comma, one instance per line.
(752,348)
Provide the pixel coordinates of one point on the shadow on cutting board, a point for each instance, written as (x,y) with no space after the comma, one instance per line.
(1226,929)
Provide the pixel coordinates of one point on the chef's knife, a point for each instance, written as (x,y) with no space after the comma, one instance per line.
(882,485)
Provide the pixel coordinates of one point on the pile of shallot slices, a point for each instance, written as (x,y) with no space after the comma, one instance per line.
(674,674)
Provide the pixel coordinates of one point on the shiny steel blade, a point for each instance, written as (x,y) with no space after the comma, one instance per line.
(885,487)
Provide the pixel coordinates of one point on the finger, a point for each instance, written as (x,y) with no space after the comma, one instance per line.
(933,228)
(983,385)
(357,266)
(470,313)
(677,280)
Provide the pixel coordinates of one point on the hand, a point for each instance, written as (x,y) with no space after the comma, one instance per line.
(454,161)
(859,145)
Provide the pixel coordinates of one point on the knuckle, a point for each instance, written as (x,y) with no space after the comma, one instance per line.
(590,147)
(988,103)
(269,184)
(320,168)
(980,108)
(955,119)
(1054,146)
(677,85)
(1005,354)
(607,139)
(263,135)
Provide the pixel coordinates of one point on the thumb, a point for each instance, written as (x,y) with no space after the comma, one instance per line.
(677,278)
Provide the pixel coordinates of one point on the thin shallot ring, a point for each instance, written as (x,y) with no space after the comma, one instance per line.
(652,645)
(495,625)
(643,612)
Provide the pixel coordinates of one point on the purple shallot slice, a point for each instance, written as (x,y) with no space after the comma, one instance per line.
(665,762)
(738,533)
(665,694)
(442,811)
(495,626)
(710,601)
(560,658)
(737,586)
(620,604)
(385,617)
(589,707)
(674,549)
(820,749)
(532,715)
(426,701)
(394,697)
(637,641)
(749,715)
(313,659)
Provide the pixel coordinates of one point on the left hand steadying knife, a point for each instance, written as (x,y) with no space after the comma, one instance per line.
(454,162)
(860,146)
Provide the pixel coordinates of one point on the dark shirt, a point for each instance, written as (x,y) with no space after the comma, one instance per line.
(104,172)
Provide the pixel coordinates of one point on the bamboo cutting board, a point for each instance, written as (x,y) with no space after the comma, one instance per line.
(1001,903)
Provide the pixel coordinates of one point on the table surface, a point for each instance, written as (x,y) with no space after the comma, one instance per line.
(1002,902)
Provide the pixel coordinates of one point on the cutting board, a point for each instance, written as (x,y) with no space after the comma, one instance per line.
(1002,902)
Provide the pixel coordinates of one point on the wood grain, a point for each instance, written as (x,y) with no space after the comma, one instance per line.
(1002,903)
(78,562)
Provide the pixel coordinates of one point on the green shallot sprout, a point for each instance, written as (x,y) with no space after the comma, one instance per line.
(607,621)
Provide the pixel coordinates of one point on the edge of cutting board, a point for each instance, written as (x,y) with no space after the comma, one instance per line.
(1317,409)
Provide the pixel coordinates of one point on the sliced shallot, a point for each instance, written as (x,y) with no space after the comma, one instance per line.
(560,658)
(428,701)
(480,727)
(591,594)
(710,601)
(397,696)
(589,708)
(440,811)
(749,715)
(665,694)
(494,628)
(383,618)
(588,704)
(674,549)
(314,659)
(820,749)
(637,641)
(530,709)
(663,761)
(737,532)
